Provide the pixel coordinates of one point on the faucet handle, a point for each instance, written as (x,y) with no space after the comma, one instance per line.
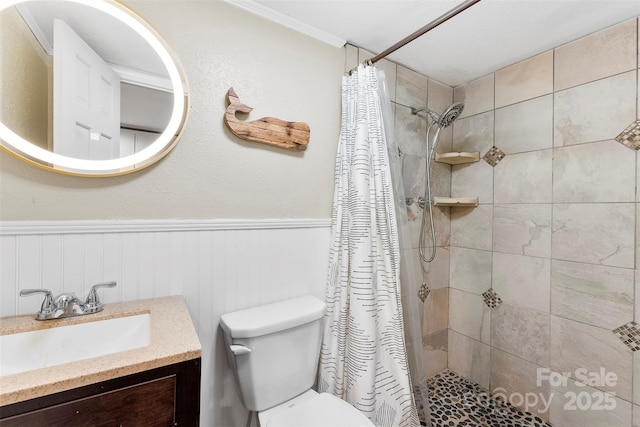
(48,306)
(93,302)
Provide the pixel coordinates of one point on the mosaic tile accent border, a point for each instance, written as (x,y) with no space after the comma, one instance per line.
(423,292)
(493,156)
(455,401)
(630,137)
(491,298)
(629,334)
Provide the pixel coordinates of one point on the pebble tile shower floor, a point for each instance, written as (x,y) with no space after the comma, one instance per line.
(455,401)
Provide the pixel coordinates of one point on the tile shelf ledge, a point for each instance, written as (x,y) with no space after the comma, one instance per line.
(457,158)
(455,201)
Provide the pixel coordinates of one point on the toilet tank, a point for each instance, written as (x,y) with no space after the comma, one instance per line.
(274,349)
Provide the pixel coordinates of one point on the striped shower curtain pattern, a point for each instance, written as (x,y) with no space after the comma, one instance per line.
(363,358)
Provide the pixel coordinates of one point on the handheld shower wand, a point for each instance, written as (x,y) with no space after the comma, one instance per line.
(442,121)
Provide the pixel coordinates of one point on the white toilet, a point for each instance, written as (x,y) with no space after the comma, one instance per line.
(274,350)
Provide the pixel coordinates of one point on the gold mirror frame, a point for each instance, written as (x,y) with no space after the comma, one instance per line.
(31,153)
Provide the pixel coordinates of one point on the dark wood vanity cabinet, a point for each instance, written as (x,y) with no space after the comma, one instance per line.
(161,397)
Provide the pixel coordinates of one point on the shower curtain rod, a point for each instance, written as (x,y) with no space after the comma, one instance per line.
(430,26)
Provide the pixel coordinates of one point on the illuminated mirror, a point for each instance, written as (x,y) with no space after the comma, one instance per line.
(87,87)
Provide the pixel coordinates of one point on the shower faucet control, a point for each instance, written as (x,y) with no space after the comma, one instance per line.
(421,201)
(67,304)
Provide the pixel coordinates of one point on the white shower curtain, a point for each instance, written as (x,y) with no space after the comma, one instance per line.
(363,358)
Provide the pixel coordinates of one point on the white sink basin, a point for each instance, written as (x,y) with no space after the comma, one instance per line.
(26,351)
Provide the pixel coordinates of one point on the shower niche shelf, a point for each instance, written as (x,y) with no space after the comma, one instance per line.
(457,158)
(455,201)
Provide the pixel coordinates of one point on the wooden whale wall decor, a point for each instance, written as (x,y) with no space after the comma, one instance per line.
(269,130)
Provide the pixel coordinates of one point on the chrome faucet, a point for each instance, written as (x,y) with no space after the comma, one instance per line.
(67,304)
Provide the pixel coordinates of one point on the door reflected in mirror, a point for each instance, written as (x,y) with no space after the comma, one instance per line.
(86,87)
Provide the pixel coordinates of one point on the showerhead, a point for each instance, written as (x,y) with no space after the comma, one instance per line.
(450,114)
(446,118)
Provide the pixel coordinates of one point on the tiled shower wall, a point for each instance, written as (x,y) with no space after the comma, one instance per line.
(555,232)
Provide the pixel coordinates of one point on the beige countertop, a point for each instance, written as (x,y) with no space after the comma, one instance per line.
(173,340)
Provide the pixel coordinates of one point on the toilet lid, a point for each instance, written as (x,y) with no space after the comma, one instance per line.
(324,410)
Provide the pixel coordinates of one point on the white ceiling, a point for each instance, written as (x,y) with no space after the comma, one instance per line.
(486,37)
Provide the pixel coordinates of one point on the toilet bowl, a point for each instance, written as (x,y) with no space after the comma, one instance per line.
(273,351)
(312,409)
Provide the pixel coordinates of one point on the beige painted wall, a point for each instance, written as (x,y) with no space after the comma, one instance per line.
(25,75)
(211,173)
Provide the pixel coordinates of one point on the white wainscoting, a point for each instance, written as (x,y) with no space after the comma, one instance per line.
(217,266)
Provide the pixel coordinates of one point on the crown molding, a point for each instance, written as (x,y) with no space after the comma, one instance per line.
(258,9)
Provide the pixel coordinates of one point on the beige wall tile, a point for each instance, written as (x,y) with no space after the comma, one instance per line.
(636,415)
(389,69)
(565,412)
(471,227)
(363,55)
(515,377)
(637,260)
(523,229)
(522,332)
(596,233)
(410,132)
(594,111)
(637,299)
(473,133)
(440,96)
(524,80)
(522,280)
(442,225)
(414,215)
(411,361)
(525,126)
(436,353)
(476,95)
(473,179)
(469,315)
(469,358)
(636,377)
(577,346)
(412,317)
(445,140)
(523,178)
(411,277)
(636,356)
(413,174)
(470,270)
(440,179)
(436,272)
(602,54)
(596,172)
(436,312)
(594,294)
(411,88)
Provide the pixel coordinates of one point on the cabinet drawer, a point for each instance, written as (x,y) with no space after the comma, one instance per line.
(164,396)
(148,404)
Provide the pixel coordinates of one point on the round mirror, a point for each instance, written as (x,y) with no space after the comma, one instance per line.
(87,87)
